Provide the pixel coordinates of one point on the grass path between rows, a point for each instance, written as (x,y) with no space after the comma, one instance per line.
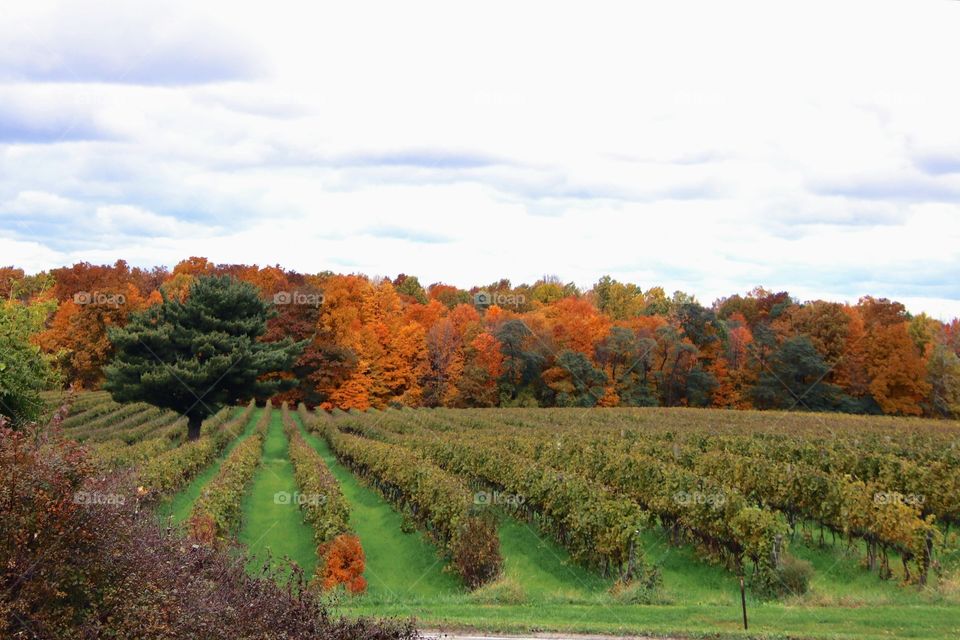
(401,567)
(543,569)
(406,575)
(272,525)
(180,505)
(405,567)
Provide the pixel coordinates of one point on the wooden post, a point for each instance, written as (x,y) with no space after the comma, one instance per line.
(743,603)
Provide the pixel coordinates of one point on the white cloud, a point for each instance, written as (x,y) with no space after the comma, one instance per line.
(38,204)
(135,221)
(702,146)
(125,42)
(29,256)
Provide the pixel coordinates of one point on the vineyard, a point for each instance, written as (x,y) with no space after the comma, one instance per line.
(636,520)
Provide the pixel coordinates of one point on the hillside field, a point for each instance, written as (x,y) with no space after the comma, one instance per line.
(620,521)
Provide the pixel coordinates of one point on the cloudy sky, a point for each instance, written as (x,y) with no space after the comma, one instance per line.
(703,146)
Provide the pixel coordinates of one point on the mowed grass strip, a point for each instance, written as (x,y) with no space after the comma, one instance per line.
(401,567)
(270,526)
(773,621)
(542,569)
(179,506)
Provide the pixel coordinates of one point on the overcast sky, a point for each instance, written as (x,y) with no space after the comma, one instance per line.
(710,147)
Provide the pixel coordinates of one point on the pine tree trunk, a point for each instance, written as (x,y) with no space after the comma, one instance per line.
(193,427)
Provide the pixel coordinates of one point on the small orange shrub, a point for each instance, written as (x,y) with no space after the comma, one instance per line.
(344,563)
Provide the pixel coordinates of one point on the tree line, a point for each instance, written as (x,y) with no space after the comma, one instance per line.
(377,342)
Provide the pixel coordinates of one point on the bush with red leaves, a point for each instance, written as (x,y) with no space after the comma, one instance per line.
(79,558)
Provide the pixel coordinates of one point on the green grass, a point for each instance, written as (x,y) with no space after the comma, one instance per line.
(401,567)
(405,567)
(703,600)
(542,569)
(178,507)
(271,527)
(686,620)
(838,576)
(407,578)
(845,602)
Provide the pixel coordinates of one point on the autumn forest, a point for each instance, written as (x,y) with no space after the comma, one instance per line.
(377,342)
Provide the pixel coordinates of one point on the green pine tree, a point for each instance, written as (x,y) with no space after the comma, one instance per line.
(198,355)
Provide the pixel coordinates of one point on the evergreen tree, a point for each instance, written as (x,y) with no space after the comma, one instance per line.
(521,365)
(700,387)
(199,354)
(793,379)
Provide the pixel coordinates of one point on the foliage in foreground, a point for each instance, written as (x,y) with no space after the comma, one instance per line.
(80,559)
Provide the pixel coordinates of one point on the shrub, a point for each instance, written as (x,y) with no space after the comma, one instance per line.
(344,563)
(407,523)
(791,578)
(795,575)
(643,589)
(77,570)
(475,550)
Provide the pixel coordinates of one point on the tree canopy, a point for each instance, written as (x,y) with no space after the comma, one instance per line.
(379,342)
(199,354)
(24,370)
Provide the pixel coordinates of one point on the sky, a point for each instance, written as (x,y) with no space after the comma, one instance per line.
(812,147)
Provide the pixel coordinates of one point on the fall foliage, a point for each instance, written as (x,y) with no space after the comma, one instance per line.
(344,563)
(378,342)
